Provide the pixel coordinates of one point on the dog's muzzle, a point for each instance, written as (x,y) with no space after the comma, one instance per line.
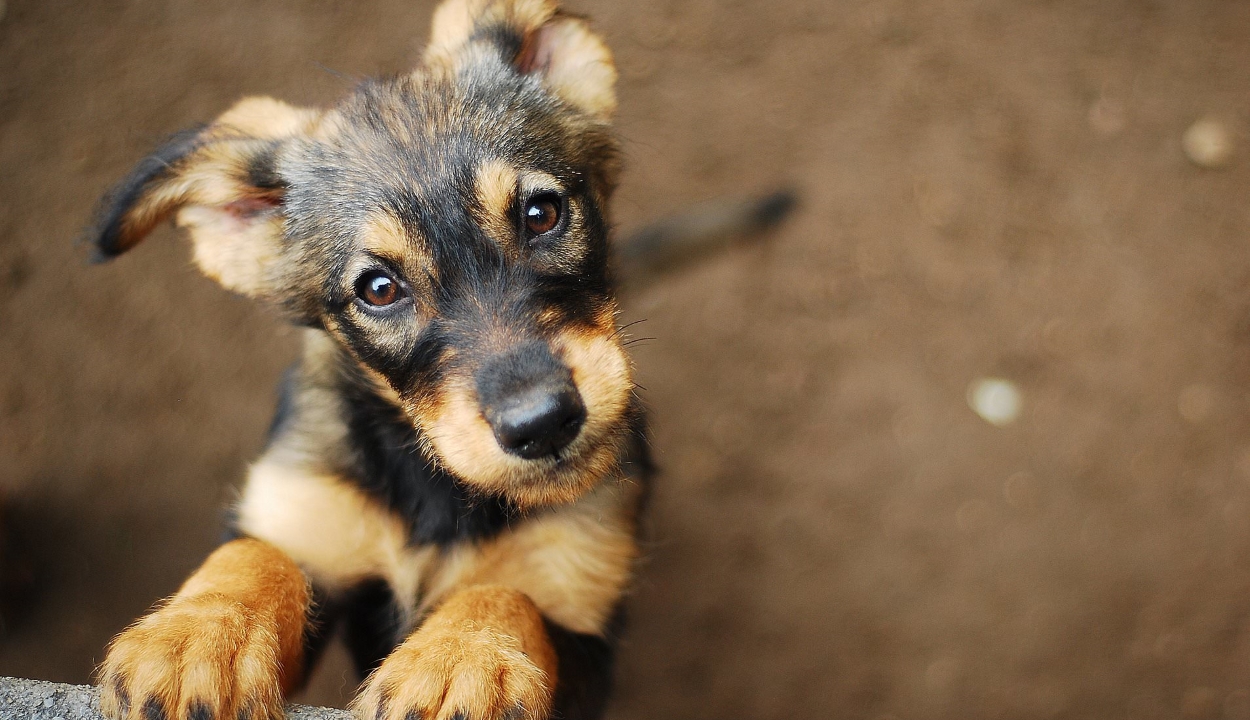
(530,401)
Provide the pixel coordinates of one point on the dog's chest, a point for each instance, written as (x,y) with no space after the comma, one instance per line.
(337,532)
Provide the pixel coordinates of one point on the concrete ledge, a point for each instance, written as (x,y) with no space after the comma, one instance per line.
(38,700)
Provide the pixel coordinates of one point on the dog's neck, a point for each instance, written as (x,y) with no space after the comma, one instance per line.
(346,425)
(391,464)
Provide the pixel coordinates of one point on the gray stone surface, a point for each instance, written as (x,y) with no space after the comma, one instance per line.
(37,700)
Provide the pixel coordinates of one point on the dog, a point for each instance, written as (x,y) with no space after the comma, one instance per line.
(455,472)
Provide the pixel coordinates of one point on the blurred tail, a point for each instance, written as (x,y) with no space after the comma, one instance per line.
(701,231)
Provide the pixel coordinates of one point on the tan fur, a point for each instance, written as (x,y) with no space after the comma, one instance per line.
(235,247)
(465,442)
(483,654)
(496,184)
(318,403)
(602,374)
(579,67)
(386,237)
(231,639)
(211,175)
(455,21)
(574,562)
(321,432)
(265,117)
(329,526)
(335,531)
(533,181)
(463,439)
(206,176)
(574,62)
(236,252)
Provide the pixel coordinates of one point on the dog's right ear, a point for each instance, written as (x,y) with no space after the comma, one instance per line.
(559,49)
(222,183)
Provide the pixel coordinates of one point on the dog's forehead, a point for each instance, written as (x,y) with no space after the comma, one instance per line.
(432,130)
(433,143)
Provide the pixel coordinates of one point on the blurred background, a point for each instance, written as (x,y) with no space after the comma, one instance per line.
(1050,193)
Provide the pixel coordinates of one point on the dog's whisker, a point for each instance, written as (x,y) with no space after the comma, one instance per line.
(635,341)
(622,328)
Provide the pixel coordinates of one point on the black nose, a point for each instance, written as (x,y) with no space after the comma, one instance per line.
(530,401)
(540,423)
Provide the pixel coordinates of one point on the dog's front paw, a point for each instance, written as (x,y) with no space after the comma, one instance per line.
(473,673)
(200,658)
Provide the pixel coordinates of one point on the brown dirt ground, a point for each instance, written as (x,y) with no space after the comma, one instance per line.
(990,188)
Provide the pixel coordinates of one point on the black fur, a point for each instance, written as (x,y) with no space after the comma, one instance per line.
(199,710)
(154,710)
(390,466)
(372,624)
(262,170)
(323,615)
(524,366)
(584,669)
(107,231)
(399,153)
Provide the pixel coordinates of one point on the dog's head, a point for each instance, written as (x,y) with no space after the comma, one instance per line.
(447,228)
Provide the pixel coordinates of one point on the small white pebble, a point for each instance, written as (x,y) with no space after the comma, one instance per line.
(1208,143)
(997,401)
(48,702)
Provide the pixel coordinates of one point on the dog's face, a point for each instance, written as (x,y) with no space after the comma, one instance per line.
(447,228)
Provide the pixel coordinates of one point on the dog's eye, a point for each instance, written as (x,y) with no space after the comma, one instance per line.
(378,288)
(542,214)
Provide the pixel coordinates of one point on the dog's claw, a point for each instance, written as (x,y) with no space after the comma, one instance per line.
(123,697)
(154,710)
(143,679)
(199,710)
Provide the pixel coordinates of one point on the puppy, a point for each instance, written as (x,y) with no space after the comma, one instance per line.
(454,475)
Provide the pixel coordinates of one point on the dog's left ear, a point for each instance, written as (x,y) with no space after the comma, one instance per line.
(221,183)
(571,60)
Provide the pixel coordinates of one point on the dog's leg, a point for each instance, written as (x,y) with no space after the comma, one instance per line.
(484,654)
(521,626)
(229,644)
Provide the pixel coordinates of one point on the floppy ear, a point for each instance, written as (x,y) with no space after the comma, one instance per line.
(572,61)
(221,183)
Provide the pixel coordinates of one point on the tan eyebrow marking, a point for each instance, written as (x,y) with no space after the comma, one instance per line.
(532,181)
(384,236)
(496,185)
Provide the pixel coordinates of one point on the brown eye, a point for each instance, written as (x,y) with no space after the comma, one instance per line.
(542,213)
(378,289)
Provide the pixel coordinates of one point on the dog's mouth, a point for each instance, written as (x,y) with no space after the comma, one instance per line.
(537,442)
